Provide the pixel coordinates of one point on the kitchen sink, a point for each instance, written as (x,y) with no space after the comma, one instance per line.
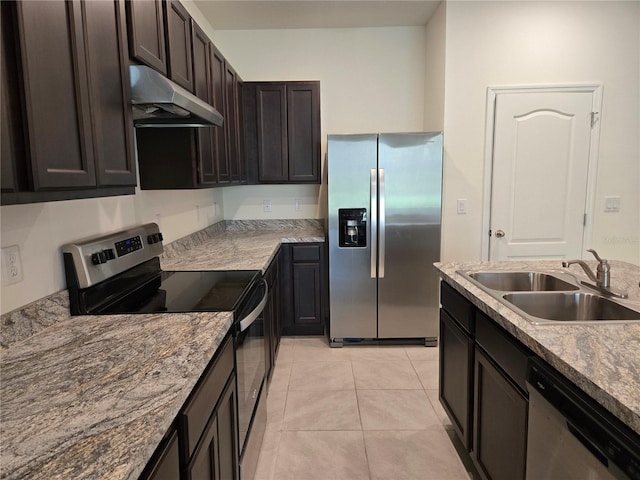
(521,281)
(570,307)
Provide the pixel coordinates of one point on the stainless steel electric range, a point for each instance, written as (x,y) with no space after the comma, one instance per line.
(120,273)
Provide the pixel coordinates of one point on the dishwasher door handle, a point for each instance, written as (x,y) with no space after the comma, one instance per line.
(588,443)
(255,313)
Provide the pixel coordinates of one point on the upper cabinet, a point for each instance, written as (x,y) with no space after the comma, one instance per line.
(282,128)
(160,36)
(179,44)
(184,158)
(146,33)
(65,89)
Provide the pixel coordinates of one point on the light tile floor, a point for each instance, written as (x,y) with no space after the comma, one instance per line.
(357,412)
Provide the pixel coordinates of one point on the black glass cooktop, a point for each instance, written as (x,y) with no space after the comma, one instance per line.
(176,292)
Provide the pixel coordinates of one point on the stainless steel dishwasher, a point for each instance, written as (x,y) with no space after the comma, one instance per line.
(571,437)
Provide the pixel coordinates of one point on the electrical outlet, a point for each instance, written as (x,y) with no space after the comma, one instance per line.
(462,206)
(11,265)
(266,205)
(298,204)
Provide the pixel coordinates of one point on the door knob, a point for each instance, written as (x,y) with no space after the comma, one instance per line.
(499,233)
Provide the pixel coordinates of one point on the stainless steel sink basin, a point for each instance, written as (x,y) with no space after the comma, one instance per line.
(521,281)
(570,307)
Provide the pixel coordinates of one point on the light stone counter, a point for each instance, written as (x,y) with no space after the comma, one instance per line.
(602,359)
(242,246)
(90,397)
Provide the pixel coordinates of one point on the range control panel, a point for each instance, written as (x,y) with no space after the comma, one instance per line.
(98,258)
(129,245)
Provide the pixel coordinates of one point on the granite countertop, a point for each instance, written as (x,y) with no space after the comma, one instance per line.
(91,397)
(239,249)
(602,359)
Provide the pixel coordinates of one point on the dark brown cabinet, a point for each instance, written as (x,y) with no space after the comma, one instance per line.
(500,402)
(282,129)
(203,89)
(482,387)
(216,458)
(218,73)
(160,37)
(500,423)
(147,33)
(179,44)
(456,367)
(305,287)
(208,422)
(73,85)
(166,462)
(185,158)
(235,130)
(272,315)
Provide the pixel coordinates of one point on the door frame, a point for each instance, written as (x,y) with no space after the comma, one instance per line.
(596,90)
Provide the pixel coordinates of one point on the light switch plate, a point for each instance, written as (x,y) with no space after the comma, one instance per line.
(462,206)
(266,205)
(612,204)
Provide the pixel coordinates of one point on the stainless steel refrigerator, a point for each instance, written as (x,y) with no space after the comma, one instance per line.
(384,200)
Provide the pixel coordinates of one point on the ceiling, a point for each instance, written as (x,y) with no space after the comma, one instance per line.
(267,14)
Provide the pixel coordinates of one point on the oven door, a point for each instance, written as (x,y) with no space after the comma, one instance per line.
(250,362)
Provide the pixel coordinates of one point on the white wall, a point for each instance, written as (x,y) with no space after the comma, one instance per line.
(435,71)
(40,230)
(371,80)
(523,43)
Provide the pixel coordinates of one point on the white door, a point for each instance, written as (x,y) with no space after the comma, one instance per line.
(541,147)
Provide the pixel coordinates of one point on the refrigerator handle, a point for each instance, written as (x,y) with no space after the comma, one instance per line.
(381,239)
(373,210)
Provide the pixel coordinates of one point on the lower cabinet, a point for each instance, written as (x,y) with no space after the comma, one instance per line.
(166,465)
(500,439)
(216,457)
(305,285)
(203,443)
(456,375)
(272,315)
(482,387)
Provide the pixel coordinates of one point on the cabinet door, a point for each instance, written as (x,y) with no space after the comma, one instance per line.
(146,33)
(178,24)
(7,175)
(203,89)
(241,175)
(306,298)
(218,73)
(228,457)
(217,455)
(456,376)
(11,118)
(56,94)
(272,133)
(109,86)
(167,467)
(500,424)
(303,131)
(231,125)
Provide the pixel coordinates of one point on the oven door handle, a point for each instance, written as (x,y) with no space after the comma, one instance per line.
(255,313)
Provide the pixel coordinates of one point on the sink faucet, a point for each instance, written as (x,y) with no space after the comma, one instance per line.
(602,277)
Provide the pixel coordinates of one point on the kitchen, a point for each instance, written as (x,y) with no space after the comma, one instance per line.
(425,77)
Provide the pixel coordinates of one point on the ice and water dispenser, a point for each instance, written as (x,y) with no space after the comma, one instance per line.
(352,223)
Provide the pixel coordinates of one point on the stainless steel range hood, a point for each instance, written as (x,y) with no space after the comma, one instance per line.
(159,102)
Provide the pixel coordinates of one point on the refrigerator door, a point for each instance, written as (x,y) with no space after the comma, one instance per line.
(352,288)
(410,167)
